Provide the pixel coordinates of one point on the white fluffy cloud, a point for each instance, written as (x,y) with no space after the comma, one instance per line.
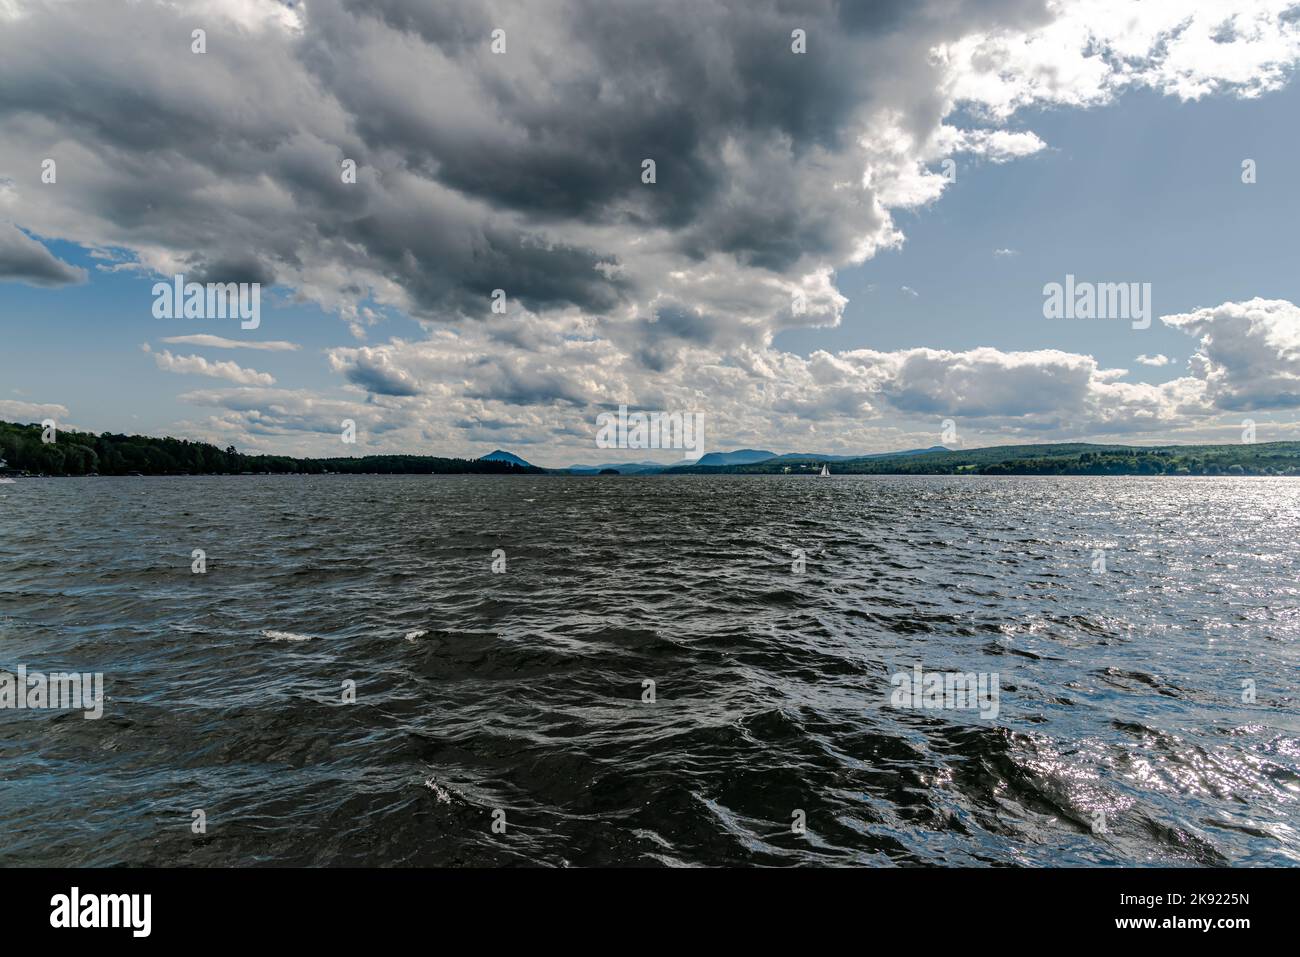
(14,410)
(221,369)
(1087,51)
(1248,354)
(220,342)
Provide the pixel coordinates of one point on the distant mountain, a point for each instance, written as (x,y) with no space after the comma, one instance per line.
(822,457)
(738,457)
(755,456)
(1058,458)
(501,456)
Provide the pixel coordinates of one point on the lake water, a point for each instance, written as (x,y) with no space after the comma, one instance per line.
(1133,644)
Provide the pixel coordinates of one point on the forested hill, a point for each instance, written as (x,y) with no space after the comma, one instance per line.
(83,453)
(1076,458)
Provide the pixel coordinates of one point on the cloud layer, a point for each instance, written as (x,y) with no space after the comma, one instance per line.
(522,171)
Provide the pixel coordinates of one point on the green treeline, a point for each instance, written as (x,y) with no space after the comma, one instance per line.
(83,453)
(1269,458)
(1275,458)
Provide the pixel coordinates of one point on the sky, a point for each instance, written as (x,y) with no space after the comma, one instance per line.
(843,250)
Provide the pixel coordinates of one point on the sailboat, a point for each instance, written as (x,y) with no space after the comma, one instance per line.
(826,470)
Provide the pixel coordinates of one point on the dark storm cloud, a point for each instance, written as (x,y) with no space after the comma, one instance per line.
(676,321)
(373,372)
(474,171)
(657,341)
(23,259)
(681,83)
(517,383)
(450,24)
(408,248)
(236,268)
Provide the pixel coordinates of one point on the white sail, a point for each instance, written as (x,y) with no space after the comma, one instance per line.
(826,470)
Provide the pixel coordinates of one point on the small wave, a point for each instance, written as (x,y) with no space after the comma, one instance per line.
(415,635)
(441,793)
(285,636)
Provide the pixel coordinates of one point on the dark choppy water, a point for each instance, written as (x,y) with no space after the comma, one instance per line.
(1121,735)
